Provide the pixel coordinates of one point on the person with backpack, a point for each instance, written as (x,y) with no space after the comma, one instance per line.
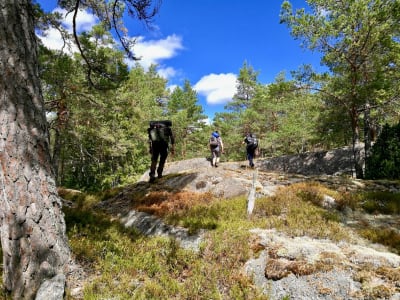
(251,145)
(160,137)
(216,148)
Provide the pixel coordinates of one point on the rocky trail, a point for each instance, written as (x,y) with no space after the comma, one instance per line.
(272,269)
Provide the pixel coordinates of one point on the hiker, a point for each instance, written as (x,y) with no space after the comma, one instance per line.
(216,147)
(160,136)
(251,145)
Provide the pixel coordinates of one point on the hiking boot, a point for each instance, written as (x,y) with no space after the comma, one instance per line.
(152,179)
(159,176)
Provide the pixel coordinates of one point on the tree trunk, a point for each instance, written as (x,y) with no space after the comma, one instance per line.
(367,130)
(33,239)
(356,140)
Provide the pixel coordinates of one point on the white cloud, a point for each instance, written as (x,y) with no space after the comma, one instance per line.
(172,87)
(167,72)
(217,88)
(84,22)
(207,121)
(52,39)
(150,52)
(154,52)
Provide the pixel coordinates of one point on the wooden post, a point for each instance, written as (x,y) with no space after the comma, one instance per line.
(252,194)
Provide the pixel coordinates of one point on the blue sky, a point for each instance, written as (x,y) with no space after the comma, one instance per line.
(207,42)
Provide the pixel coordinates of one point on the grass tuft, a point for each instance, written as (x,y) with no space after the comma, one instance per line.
(292,210)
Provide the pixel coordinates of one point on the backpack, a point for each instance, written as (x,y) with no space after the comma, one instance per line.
(213,142)
(252,142)
(159,131)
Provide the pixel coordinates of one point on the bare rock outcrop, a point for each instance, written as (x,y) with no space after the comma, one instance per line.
(333,162)
(287,267)
(229,180)
(306,268)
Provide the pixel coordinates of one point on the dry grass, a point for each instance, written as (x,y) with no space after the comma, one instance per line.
(292,210)
(162,203)
(373,288)
(383,202)
(385,236)
(279,268)
(126,265)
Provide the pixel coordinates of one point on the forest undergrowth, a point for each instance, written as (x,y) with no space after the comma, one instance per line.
(121,263)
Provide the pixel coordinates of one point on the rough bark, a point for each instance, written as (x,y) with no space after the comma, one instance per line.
(367,130)
(33,239)
(358,170)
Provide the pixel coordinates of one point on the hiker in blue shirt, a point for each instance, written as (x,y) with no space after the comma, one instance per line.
(216,148)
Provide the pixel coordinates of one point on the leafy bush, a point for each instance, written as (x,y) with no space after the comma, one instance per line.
(384,161)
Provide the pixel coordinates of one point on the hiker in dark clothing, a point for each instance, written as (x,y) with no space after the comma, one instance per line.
(160,136)
(216,148)
(251,145)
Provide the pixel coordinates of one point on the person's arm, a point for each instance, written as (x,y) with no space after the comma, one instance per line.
(221,144)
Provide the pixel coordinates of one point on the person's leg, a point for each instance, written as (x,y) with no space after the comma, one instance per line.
(217,154)
(251,158)
(154,159)
(214,158)
(163,158)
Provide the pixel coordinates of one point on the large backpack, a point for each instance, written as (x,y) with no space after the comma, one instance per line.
(252,142)
(213,142)
(159,131)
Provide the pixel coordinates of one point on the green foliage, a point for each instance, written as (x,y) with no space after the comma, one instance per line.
(187,119)
(104,140)
(107,68)
(99,138)
(246,88)
(285,117)
(381,202)
(200,217)
(358,41)
(297,211)
(384,160)
(156,267)
(384,236)
(228,126)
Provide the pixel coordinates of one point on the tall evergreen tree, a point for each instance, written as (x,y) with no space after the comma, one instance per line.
(285,117)
(235,124)
(245,89)
(359,43)
(32,229)
(187,116)
(34,244)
